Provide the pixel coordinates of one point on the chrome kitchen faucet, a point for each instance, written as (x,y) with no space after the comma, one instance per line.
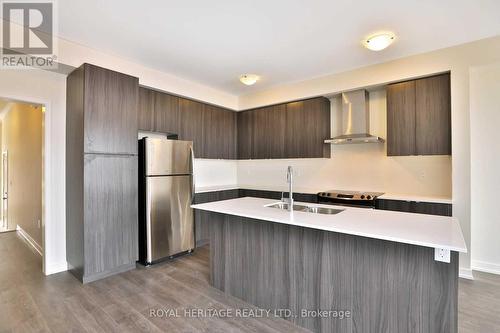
(289,179)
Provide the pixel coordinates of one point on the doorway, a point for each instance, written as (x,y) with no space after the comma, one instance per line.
(21,174)
(4,222)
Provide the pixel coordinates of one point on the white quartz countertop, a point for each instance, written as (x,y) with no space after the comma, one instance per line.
(417,229)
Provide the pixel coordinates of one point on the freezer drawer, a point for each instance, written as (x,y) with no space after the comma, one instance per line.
(169,216)
(168,157)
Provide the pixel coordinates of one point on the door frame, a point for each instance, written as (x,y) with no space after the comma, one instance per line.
(46,168)
(5,187)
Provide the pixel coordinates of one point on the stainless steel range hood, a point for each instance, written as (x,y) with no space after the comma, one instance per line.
(353,120)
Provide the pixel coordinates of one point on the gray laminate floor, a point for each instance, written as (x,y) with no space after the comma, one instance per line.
(30,302)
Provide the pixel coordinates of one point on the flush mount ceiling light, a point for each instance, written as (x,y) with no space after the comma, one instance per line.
(379,41)
(249,79)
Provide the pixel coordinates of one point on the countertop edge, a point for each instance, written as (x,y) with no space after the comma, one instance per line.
(338,230)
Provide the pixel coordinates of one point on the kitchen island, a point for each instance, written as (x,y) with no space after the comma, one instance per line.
(367,270)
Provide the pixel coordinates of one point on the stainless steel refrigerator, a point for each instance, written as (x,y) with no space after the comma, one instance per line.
(166,189)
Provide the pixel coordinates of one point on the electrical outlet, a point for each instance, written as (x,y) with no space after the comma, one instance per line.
(442,255)
(39,224)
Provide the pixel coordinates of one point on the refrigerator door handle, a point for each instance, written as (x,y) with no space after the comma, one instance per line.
(193,187)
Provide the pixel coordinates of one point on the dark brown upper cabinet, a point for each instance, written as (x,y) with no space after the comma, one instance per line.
(261,133)
(295,135)
(191,124)
(211,128)
(291,130)
(401,119)
(166,113)
(307,127)
(219,133)
(433,115)
(145,112)
(245,134)
(110,111)
(419,117)
(276,127)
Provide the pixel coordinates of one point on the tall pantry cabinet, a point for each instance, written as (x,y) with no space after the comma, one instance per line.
(101,172)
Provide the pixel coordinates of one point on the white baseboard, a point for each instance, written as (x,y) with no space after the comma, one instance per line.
(485,267)
(465,273)
(30,240)
(56,268)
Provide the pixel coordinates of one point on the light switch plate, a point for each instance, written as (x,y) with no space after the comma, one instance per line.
(442,255)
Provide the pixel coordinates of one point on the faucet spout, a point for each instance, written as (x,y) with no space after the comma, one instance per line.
(289,179)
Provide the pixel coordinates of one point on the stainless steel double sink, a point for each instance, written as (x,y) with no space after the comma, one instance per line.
(306,209)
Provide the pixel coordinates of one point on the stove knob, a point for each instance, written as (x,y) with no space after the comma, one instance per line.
(362,196)
(329,194)
(368,197)
(322,194)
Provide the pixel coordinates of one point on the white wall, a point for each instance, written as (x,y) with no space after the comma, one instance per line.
(485,167)
(47,88)
(357,166)
(213,173)
(74,54)
(458,60)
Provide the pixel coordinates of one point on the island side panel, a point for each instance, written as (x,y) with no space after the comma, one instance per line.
(387,286)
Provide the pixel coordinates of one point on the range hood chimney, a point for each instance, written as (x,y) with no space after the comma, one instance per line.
(355,120)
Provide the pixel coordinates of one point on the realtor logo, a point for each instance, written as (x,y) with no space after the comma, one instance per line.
(27,34)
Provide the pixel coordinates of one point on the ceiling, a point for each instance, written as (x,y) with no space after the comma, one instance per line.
(213,42)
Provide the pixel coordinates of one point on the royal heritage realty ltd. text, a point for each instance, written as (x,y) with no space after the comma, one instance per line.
(246,313)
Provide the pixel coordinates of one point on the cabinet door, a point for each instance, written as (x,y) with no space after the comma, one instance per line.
(261,135)
(316,127)
(166,113)
(432,208)
(401,119)
(202,219)
(276,131)
(394,205)
(145,112)
(110,121)
(219,133)
(191,124)
(245,134)
(110,212)
(295,135)
(230,137)
(433,115)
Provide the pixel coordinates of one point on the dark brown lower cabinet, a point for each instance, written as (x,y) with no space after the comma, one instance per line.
(385,286)
(202,231)
(431,208)
(107,241)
